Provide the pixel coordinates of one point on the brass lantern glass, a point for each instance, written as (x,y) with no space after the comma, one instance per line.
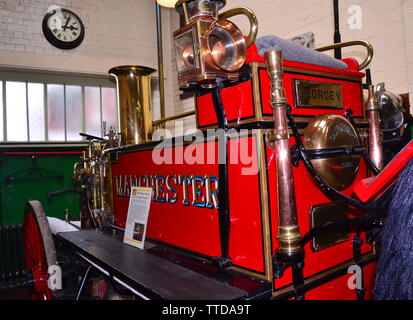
(184,45)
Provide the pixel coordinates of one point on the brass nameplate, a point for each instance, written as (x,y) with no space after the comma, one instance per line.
(313,94)
(321,214)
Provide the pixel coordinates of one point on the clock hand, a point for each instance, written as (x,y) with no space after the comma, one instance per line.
(67,22)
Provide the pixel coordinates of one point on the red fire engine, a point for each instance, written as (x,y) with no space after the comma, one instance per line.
(267,200)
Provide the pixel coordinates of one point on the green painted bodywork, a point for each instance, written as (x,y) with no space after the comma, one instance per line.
(13,196)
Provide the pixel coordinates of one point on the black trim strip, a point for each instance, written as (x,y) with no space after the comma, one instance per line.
(334,152)
(223,185)
(318,76)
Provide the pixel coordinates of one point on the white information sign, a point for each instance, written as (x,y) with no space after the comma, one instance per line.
(137,220)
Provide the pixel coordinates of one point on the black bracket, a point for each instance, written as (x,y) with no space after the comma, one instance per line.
(357,243)
(282,261)
(222,262)
(295,155)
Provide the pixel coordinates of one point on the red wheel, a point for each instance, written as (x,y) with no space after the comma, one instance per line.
(39,250)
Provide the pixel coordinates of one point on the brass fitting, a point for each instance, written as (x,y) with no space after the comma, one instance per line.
(274,59)
(289,238)
(373,103)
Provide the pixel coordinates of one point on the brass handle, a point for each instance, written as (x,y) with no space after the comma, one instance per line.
(366,44)
(251,17)
(157,123)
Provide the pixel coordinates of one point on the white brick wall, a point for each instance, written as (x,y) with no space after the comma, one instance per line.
(117,32)
(408,31)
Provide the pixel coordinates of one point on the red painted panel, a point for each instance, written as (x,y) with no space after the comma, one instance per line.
(246,239)
(186,226)
(205,113)
(238,104)
(368,188)
(338,289)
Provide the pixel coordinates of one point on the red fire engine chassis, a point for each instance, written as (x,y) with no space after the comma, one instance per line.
(212,225)
(187,209)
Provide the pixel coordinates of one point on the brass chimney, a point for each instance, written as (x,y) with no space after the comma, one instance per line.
(134,103)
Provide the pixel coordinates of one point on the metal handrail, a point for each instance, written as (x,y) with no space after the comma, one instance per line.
(158,122)
(366,44)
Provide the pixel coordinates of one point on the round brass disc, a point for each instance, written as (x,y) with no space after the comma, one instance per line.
(333,131)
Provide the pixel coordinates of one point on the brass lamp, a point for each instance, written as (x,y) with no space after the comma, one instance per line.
(210,48)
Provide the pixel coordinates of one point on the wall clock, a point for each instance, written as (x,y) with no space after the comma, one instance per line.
(63,29)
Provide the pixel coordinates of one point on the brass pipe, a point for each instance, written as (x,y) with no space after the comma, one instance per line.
(186,16)
(160,60)
(366,44)
(375,141)
(102,188)
(134,103)
(288,234)
(171,118)
(95,204)
(252,18)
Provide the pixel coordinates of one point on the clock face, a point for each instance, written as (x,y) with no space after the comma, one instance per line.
(63,29)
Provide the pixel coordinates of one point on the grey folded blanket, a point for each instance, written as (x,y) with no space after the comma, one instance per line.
(294,52)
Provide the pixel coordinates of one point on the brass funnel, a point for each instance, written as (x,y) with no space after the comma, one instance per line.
(134,103)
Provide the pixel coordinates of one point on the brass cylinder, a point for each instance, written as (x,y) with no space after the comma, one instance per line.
(134,103)
(288,234)
(375,141)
